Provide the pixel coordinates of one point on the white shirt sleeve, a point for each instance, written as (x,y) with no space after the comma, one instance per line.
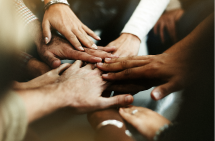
(173,4)
(145,17)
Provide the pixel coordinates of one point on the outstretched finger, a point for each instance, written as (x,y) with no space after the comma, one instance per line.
(72,39)
(162,26)
(77,64)
(91,33)
(164,90)
(84,39)
(107,49)
(62,68)
(46,31)
(172,31)
(119,66)
(116,101)
(114,60)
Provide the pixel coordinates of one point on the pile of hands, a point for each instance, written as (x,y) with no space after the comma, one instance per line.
(81,86)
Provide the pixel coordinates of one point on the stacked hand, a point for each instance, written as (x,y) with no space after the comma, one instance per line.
(62,18)
(146,121)
(148,71)
(59,48)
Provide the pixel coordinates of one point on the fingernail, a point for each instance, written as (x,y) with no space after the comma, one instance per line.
(107,59)
(157,95)
(105,75)
(100,64)
(128,99)
(98,38)
(94,46)
(46,40)
(97,58)
(81,48)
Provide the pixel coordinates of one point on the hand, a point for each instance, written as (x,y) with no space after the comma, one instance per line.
(43,80)
(35,68)
(81,89)
(126,44)
(168,20)
(62,18)
(59,48)
(158,70)
(146,121)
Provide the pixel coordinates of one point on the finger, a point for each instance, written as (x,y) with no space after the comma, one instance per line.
(164,90)
(83,38)
(89,66)
(77,64)
(107,49)
(116,101)
(62,68)
(99,53)
(51,60)
(113,60)
(131,73)
(91,33)
(119,66)
(128,117)
(72,39)
(156,28)
(162,25)
(98,71)
(78,55)
(46,31)
(172,31)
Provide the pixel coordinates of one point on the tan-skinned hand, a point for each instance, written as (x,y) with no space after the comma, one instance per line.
(126,45)
(60,48)
(168,20)
(62,18)
(158,70)
(146,121)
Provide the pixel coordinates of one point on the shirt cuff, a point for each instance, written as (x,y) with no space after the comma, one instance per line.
(173,4)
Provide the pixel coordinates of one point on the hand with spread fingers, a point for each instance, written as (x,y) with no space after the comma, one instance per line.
(148,71)
(47,78)
(59,48)
(146,121)
(63,19)
(126,45)
(168,20)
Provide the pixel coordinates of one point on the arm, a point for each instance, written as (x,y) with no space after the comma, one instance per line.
(109,132)
(171,71)
(62,18)
(67,90)
(140,23)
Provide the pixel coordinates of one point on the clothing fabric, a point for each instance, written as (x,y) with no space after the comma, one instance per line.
(13,119)
(24,13)
(145,17)
(173,4)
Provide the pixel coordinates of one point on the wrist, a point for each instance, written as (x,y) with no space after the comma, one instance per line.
(130,36)
(39,102)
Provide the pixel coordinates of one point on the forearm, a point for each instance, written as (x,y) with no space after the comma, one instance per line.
(39,102)
(144,17)
(109,132)
(197,41)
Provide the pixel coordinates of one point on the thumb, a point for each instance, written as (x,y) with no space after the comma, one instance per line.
(164,90)
(51,60)
(47,32)
(116,101)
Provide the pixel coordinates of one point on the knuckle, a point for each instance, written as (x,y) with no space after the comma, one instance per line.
(124,64)
(127,72)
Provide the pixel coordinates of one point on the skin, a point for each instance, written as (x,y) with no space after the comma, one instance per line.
(62,18)
(59,48)
(162,70)
(168,20)
(114,133)
(146,121)
(67,90)
(126,45)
